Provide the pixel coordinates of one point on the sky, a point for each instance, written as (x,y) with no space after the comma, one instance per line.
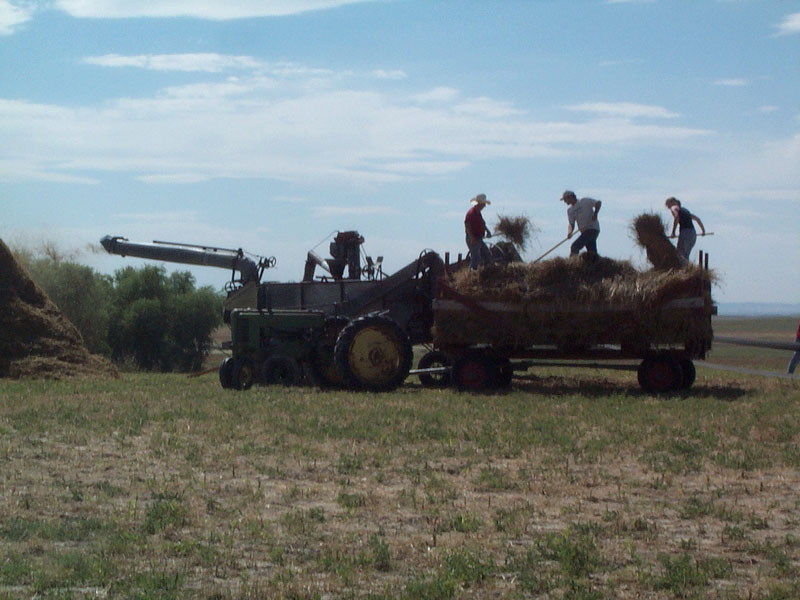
(269,125)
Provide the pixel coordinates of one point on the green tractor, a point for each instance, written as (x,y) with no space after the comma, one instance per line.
(287,347)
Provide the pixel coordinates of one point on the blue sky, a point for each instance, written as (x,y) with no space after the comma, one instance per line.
(268,125)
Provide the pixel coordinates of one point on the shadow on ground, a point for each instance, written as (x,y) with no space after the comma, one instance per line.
(599,388)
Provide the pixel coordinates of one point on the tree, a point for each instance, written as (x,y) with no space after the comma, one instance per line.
(143,316)
(78,291)
(197,314)
(162,322)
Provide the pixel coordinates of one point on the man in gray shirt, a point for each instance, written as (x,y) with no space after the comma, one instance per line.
(584,213)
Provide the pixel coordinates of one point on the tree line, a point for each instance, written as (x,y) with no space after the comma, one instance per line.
(141,317)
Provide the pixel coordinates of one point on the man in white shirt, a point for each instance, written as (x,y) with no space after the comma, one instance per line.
(584,213)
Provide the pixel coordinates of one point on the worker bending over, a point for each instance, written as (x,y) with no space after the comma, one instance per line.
(683,218)
(584,213)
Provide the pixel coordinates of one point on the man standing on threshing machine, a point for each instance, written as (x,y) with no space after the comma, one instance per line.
(476,230)
(584,213)
(687,236)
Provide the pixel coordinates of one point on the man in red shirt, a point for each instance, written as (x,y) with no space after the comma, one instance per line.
(476,230)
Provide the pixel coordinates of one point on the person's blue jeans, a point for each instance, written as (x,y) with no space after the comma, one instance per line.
(795,359)
(587,239)
(478,252)
(686,241)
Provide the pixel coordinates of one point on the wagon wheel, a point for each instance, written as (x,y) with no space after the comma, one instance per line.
(473,372)
(243,375)
(689,373)
(323,367)
(226,373)
(373,353)
(280,369)
(431,360)
(503,373)
(659,374)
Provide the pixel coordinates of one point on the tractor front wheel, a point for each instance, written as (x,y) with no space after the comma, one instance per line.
(243,375)
(281,370)
(226,373)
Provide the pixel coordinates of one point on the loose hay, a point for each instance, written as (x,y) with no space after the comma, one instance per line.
(577,303)
(37,340)
(648,229)
(517,230)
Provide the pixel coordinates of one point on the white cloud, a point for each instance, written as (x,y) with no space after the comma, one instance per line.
(619,62)
(174,178)
(330,211)
(384,74)
(148,218)
(288,128)
(436,95)
(790,24)
(624,109)
(200,9)
(732,82)
(14,14)
(487,107)
(758,172)
(209,63)
(14,171)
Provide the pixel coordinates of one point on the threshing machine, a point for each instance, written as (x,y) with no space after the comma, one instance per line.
(352,326)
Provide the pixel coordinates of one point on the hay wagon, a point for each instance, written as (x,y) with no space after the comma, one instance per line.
(480,342)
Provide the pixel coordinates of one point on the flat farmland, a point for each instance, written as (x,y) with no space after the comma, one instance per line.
(573,484)
(765,329)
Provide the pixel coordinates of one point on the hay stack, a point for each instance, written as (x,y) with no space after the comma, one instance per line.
(576,303)
(37,340)
(648,229)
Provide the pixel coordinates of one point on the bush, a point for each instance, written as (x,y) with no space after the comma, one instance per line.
(142,316)
(162,322)
(80,293)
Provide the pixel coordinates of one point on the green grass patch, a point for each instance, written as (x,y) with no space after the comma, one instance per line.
(567,486)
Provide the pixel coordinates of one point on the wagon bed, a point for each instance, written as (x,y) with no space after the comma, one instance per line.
(480,338)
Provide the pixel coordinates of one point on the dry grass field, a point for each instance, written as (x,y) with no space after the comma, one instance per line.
(574,484)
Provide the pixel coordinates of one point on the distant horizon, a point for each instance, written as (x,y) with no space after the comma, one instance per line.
(758,309)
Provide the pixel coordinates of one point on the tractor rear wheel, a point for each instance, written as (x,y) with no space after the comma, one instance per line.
(373,353)
(431,360)
(243,375)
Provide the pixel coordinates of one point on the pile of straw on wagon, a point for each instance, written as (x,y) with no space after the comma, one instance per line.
(576,303)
